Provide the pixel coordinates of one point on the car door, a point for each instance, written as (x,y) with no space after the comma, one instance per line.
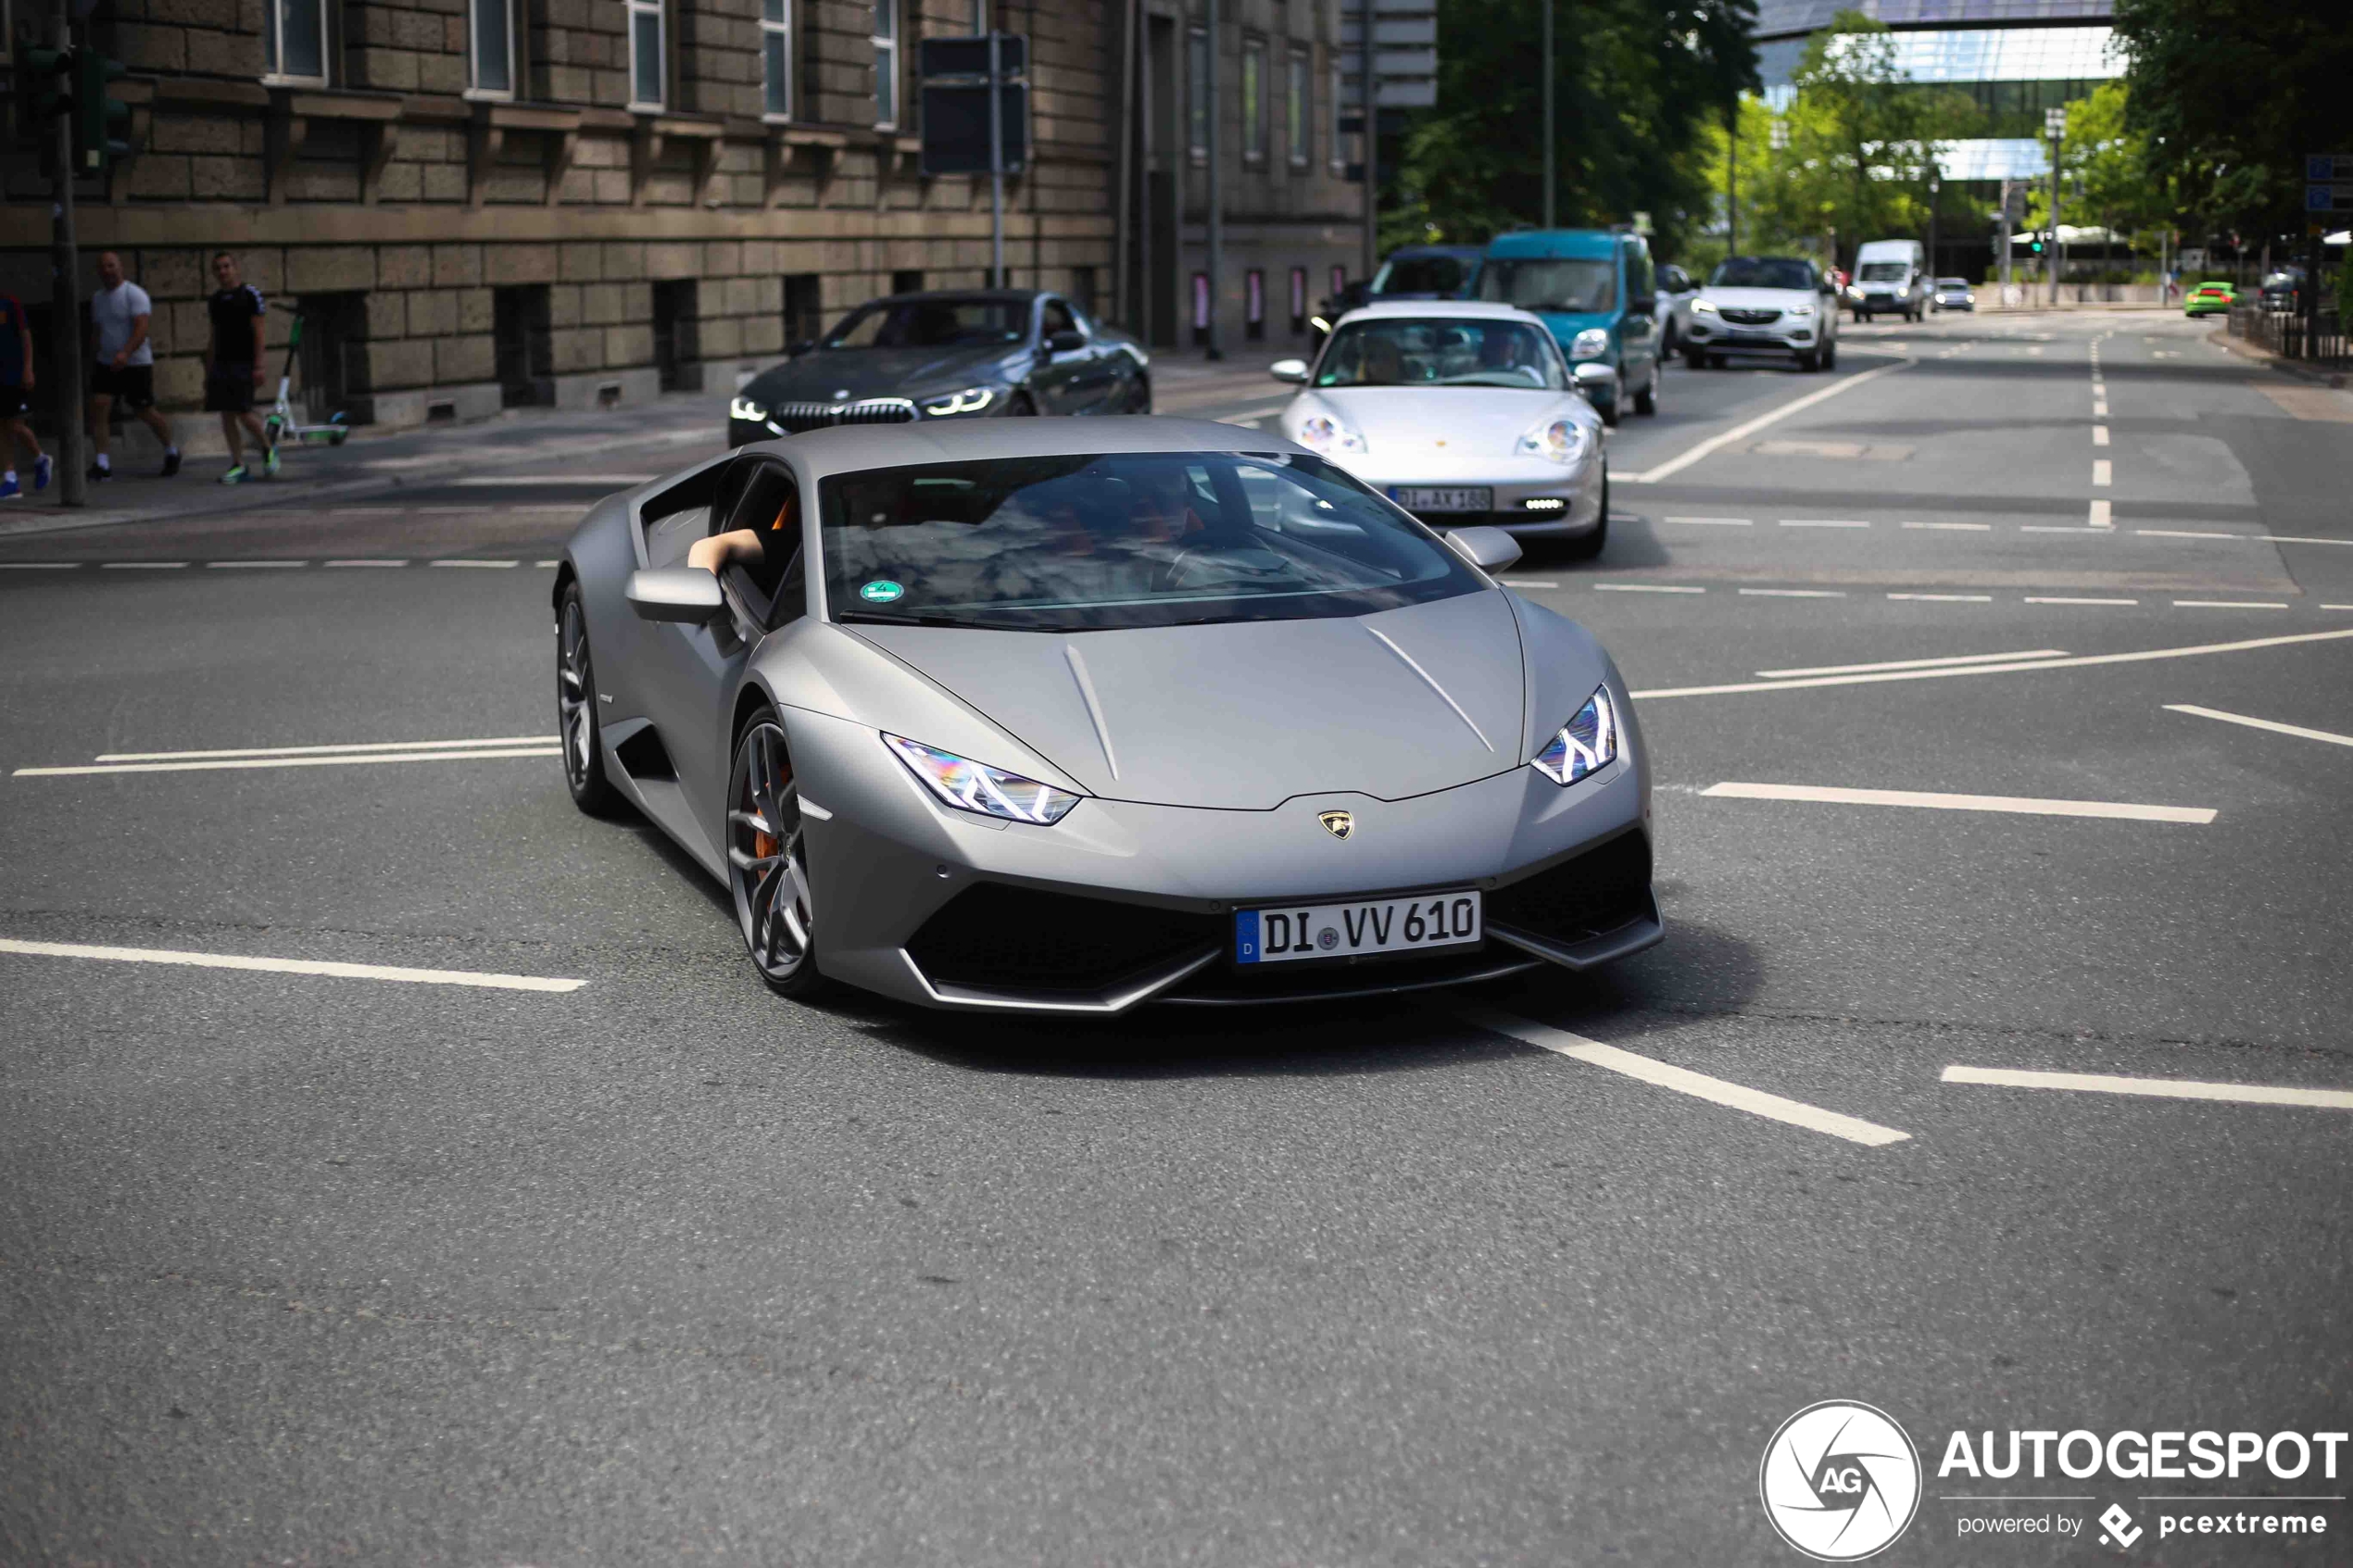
(1110,373)
(1060,381)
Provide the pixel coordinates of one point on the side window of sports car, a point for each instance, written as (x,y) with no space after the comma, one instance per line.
(673,520)
(765,501)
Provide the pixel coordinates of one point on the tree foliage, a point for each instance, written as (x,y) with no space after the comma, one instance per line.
(1637,83)
(2230,94)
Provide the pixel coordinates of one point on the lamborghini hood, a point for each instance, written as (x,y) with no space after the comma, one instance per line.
(1245,715)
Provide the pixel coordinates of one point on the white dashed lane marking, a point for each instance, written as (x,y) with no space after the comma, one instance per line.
(2161,1088)
(2272,724)
(1936,800)
(1699,1086)
(1913,664)
(290,966)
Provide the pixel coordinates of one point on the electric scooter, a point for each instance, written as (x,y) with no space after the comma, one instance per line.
(280,424)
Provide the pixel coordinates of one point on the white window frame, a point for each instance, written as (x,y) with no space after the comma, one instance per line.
(780,25)
(1253,92)
(274,44)
(1299,108)
(475,89)
(888,26)
(659,11)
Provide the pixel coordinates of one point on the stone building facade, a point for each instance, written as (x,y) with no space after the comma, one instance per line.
(478,203)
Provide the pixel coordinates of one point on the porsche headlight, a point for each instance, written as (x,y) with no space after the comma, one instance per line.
(974,787)
(1590,344)
(1563,440)
(741,407)
(972,400)
(1323,433)
(1585,744)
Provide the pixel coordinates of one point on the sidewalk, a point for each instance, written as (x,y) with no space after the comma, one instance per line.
(370,465)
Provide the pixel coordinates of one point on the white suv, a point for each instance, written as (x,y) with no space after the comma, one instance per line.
(1763,304)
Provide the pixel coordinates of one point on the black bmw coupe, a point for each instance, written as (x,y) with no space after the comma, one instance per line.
(948,355)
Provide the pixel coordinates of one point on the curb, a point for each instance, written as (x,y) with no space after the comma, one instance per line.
(2221,338)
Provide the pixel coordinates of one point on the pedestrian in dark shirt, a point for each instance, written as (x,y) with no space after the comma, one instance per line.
(15,391)
(232,367)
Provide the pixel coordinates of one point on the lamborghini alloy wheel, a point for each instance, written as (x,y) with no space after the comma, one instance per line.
(576,710)
(766,869)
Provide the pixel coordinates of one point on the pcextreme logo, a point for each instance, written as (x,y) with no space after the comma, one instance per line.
(1839,1481)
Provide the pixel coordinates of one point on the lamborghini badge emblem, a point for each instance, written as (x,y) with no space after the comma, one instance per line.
(1340,825)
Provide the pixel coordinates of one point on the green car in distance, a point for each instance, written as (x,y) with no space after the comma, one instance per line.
(2207,299)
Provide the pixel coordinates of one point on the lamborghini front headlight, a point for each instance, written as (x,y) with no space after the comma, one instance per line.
(1585,745)
(967,786)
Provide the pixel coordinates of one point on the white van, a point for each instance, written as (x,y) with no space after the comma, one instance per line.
(1890,275)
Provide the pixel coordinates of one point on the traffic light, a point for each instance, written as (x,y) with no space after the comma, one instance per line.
(100,121)
(2036,247)
(42,90)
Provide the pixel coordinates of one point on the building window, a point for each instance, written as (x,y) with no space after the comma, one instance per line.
(886,65)
(804,309)
(1201,309)
(1298,300)
(1295,123)
(1197,94)
(1339,281)
(493,28)
(1253,100)
(1336,150)
(647,71)
(295,42)
(1254,304)
(775,58)
(910,281)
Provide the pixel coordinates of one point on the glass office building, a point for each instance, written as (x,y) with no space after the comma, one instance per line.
(2016,57)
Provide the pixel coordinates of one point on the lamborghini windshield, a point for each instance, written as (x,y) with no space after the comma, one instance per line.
(1069,543)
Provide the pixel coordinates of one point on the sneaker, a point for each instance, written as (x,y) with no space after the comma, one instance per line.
(11,490)
(43,467)
(171,464)
(270,463)
(236,476)
(98,472)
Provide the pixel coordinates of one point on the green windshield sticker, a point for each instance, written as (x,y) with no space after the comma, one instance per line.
(881,591)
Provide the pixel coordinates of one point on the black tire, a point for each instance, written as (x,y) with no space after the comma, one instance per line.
(1612,412)
(1021,407)
(1141,400)
(1695,359)
(1646,400)
(1809,361)
(1830,355)
(577,725)
(767,873)
(1717,361)
(1586,546)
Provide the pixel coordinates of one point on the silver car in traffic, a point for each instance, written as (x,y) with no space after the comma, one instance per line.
(1464,414)
(1064,717)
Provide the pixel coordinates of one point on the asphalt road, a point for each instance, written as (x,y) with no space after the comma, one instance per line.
(318,1268)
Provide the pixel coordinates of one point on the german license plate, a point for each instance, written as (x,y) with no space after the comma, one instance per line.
(1462,498)
(1755,337)
(1280,934)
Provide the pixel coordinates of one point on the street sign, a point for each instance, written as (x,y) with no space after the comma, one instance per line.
(1404,54)
(2321,168)
(2336,197)
(956,127)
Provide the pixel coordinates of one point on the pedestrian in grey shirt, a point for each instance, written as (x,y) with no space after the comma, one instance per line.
(126,367)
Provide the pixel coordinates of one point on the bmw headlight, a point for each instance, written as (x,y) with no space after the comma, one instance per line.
(1590,344)
(742,408)
(1585,744)
(974,787)
(1703,308)
(1323,434)
(1563,440)
(972,400)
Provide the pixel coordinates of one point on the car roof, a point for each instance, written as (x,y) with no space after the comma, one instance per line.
(856,448)
(1473,310)
(1016,296)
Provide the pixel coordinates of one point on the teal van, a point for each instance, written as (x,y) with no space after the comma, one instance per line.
(1596,291)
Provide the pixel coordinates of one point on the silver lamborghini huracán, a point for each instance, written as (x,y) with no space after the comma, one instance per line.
(1066,716)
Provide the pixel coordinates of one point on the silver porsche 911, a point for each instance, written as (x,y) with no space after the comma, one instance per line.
(1065,716)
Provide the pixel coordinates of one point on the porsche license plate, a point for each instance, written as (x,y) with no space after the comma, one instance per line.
(1342,930)
(1460,498)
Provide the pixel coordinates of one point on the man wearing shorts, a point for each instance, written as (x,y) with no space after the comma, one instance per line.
(125,371)
(16,392)
(232,367)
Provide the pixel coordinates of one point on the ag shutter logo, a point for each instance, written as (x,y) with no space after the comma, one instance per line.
(1839,1481)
